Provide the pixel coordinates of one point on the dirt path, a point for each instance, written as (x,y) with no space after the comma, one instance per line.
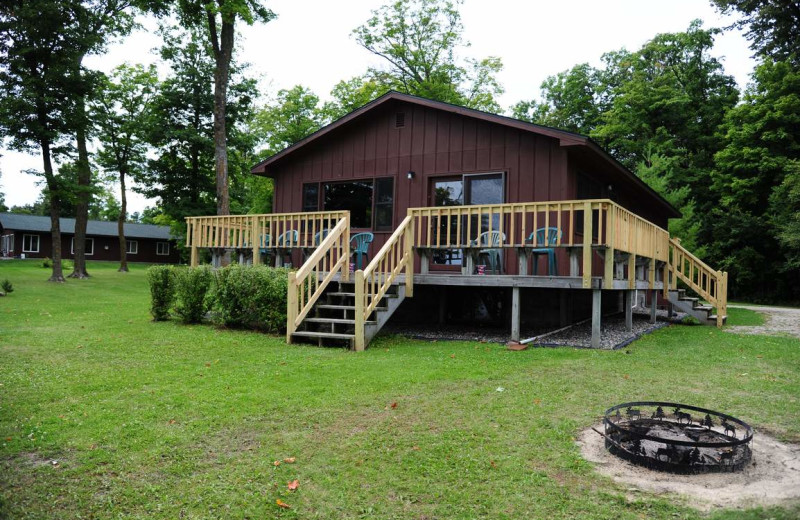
(779,320)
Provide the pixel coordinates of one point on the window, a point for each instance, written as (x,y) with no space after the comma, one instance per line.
(89,246)
(162,248)
(384,203)
(353,196)
(131,247)
(30,243)
(310,197)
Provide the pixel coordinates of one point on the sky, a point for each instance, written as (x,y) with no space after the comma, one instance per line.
(310,44)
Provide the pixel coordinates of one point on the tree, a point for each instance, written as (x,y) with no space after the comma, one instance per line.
(772,26)
(181,131)
(121,110)
(419,39)
(37,78)
(756,176)
(351,94)
(570,101)
(293,115)
(3,207)
(219,18)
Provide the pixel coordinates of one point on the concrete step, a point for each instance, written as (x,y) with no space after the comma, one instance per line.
(353,295)
(713,318)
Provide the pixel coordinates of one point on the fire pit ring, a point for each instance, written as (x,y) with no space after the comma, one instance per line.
(677,438)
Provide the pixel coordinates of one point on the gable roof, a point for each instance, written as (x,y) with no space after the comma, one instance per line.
(37,223)
(564,137)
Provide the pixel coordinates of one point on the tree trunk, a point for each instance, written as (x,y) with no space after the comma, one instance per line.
(55,213)
(84,193)
(123,246)
(222,67)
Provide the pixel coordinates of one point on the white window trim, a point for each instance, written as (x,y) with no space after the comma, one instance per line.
(157,248)
(135,244)
(38,245)
(72,246)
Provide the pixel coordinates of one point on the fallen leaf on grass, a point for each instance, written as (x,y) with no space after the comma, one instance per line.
(393,405)
(292,486)
(172,421)
(289,460)
(626,376)
(537,402)
(491,462)
(276,463)
(415,448)
(8,439)
(281,503)
(208,364)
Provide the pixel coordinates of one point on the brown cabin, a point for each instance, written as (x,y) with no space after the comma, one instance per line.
(29,236)
(467,190)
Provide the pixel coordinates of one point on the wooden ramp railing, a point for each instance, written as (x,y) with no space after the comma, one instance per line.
(394,258)
(307,284)
(709,284)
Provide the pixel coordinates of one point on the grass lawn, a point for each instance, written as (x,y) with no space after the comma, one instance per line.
(161,420)
(745,317)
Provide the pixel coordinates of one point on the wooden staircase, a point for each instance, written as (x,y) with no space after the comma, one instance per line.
(692,306)
(332,320)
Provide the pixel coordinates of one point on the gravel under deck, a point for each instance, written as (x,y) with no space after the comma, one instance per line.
(613,334)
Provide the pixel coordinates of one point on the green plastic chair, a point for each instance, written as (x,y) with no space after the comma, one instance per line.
(359,246)
(492,240)
(548,237)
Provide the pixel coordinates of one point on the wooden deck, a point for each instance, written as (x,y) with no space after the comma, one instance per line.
(603,245)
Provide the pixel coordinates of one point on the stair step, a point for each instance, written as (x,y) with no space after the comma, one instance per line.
(343,307)
(324,335)
(703,308)
(713,317)
(353,295)
(687,299)
(334,320)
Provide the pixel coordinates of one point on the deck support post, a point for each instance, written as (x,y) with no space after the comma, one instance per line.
(596,314)
(653,303)
(515,313)
(628,310)
(587,245)
(523,256)
(195,256)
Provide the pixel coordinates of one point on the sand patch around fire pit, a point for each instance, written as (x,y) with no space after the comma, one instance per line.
(771,478)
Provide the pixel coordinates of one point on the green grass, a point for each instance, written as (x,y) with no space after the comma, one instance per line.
(160,420)
(744,317)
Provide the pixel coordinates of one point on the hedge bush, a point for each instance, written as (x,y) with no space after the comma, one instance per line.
(162,290)
(251,297)
(192,298)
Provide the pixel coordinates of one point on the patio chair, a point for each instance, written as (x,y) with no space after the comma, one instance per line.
(359,246)
(546,237)
(286,242)
(319,236)
(492,240)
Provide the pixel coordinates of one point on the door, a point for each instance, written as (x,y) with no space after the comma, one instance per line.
(448,191)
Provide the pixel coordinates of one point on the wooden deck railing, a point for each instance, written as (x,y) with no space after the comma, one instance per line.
(588,224)
(307,284)
(394,258)
(256,232)
(709,284)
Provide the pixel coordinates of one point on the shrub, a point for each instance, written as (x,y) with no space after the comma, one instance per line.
(192,298)
(47,263)
(6,286)
(162,290)
(251,297)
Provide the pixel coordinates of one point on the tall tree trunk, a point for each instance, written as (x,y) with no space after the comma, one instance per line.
(123,245)
(55,213)
(84,194)
(222,55)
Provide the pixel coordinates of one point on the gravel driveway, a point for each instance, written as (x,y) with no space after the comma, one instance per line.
(779,320)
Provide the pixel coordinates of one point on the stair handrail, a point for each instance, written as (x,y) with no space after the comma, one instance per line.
(711,285)
(307,284)
(395,257)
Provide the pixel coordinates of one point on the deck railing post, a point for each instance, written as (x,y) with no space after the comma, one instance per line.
(255,239)
(587,245)
(291,306)
(409,254)
(346,250)
(360,306)
(608,274)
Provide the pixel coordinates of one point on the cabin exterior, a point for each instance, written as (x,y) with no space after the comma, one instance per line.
(446,190)
(29,236)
